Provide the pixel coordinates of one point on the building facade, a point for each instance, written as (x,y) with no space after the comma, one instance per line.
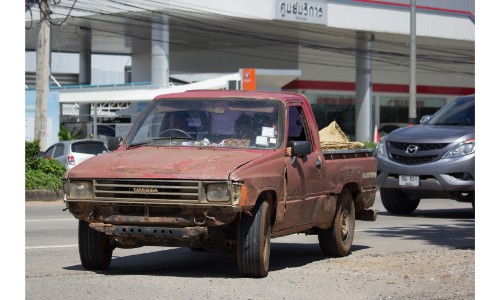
(349,57)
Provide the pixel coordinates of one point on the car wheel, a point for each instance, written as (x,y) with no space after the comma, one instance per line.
(398,203)
(95,248)
(254,242)
(337,240)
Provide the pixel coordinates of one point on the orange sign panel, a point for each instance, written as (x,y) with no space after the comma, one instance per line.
(248,79)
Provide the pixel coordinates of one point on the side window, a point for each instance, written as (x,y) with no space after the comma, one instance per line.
(297,131)
(50,152)
(59,151)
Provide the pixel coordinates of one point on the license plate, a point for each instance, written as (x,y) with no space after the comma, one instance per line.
(405,180)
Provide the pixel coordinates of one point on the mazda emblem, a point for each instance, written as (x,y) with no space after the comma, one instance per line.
(412,149)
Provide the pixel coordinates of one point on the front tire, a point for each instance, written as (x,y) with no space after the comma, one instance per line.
(398,203)
(94,247)
(337,240)
(254,242)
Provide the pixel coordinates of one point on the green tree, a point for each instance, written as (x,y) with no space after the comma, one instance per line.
(68,135)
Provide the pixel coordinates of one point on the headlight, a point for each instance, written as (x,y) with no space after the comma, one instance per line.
(80,189)
(218,192)
(462,149)
(380,150)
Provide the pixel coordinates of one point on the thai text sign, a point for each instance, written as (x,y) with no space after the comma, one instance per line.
(301,11)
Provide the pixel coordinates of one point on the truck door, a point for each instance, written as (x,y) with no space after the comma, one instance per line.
(302,175)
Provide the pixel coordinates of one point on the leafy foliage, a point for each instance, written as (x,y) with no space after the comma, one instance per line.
(41,173)
(69,135)
(370,144)
(51,166)
(38,180)
(31,153)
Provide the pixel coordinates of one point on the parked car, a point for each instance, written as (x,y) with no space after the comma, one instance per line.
(71,153)
(386,128)
(435,159)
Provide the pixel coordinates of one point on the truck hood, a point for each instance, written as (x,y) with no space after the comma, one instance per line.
(432,134)
(165,162)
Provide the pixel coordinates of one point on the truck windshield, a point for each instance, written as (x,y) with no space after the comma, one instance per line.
(460,112)
(232,123)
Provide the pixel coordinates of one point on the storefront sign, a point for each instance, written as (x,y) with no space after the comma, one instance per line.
(301,11)
(336,100)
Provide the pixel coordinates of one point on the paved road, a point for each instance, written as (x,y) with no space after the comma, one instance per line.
(53,269)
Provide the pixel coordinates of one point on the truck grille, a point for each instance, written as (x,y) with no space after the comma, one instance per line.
(181,191)
(421,147)
(426,153)
(413,160)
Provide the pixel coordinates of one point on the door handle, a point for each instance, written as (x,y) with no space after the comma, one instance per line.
(319,162)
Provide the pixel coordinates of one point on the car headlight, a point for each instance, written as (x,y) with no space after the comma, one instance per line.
(218,192)
(380,150)
(80,189)
(462,149)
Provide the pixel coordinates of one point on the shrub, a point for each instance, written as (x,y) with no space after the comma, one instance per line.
(51,167)
(370,144)
(41,173)
(38,180)
(31,150)
(66,134)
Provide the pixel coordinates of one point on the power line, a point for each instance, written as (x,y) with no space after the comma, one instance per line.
(443,60)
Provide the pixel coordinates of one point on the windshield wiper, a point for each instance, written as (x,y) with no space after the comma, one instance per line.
(137,144)
(456,124)
(158,139)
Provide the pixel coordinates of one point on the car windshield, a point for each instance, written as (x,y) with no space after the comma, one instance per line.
(231,123)
(459,112)
(88,147)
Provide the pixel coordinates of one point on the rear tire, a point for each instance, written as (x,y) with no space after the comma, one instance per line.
(337,240)
(94,247)
(254,242)
(398,203)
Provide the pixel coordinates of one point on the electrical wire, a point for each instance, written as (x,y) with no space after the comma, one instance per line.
(439,59)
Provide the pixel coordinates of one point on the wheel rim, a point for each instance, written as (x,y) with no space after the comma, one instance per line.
(267,244)
(266,253)
(344,224)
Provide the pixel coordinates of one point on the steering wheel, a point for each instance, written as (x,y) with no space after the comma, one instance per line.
(178,130)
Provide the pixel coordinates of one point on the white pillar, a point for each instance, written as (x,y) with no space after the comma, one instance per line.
(364,129)
(159,51)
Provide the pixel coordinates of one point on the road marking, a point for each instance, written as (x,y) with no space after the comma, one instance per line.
(50,247)
(408,228)
(49,220)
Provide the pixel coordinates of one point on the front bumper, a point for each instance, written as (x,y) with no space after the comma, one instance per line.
(441,176)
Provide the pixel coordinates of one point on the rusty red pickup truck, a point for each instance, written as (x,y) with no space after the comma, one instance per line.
(221,171)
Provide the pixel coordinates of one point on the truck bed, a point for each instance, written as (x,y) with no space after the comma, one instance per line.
(347,154)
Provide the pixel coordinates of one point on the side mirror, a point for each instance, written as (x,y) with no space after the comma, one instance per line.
(301,148)
(114,143)
(425,119)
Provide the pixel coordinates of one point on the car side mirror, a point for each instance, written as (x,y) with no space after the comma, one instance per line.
(114,143)
(301,148)
(425,119)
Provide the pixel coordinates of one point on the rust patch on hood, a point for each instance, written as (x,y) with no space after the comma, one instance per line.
(165,162)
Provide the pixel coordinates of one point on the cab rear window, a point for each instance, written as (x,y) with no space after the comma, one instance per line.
(89,148)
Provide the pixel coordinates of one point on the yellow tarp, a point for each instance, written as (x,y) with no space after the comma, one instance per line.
(333,138)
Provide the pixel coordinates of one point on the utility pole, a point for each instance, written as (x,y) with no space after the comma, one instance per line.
(42,76)
(412,107)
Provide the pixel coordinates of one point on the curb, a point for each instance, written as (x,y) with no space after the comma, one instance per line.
(43,195)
